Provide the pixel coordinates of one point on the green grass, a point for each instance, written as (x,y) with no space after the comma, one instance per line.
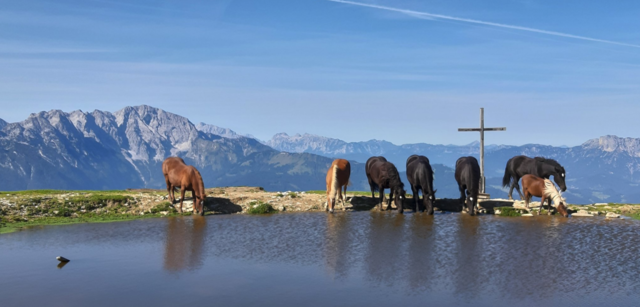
(508,211)
(293,194)
(84,218)
(58,192)
(258,207)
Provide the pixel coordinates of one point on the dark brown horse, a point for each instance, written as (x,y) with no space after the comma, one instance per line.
(337,177)
(545,189)
(384,175)
(177,174)
(367,169)
(420,176)
(468,178)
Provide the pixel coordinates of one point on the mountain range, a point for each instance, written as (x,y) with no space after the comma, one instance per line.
(125,149)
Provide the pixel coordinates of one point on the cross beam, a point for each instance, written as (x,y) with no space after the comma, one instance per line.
(482,129)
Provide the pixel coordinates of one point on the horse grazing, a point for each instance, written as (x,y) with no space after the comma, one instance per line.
(367,169)
(384,175)
(337,177)
(420,176)
(468,178)
(177,174)
(519,166)
(545,189)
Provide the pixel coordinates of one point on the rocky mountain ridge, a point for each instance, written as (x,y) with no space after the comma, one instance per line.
(125,149)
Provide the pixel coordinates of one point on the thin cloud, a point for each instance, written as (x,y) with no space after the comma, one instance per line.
(500,25)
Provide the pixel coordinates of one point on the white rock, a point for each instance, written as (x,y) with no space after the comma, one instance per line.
(611,215)
(527,214)
(582,213)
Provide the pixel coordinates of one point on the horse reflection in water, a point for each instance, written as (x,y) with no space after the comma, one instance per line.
(185,243)
(421,267)
(338,252)
(468,275)
(384,259)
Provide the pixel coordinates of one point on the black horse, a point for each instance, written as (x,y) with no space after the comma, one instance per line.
(519,166)
(367,168)
(468,178)
(384,175)
(420,176)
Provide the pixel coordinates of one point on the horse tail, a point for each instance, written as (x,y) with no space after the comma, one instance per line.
(335,185)
(506,180)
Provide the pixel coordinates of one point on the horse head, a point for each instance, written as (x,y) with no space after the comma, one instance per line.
(559,178)
(399,195)
(471,202)
(199,203)
(431,199)
(562,209)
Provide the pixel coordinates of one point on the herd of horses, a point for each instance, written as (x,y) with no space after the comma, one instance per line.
(382,174)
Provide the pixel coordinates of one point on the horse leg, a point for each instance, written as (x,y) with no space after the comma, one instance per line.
(195,202)
(182,191)
(416,198)
(373,194)
(390,199)
(462,196)
(169,189)
(542,203)
(513,185)
(381,200)
(344,199)
(517,186)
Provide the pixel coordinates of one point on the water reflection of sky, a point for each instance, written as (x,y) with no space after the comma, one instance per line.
(314,258)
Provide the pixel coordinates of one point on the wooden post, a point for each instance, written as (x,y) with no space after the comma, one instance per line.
(482,129)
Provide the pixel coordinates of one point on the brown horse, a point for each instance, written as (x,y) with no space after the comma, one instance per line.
(337,177)
(177,174)
(545,189)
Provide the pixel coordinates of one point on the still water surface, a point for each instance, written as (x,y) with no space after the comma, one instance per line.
(315,259)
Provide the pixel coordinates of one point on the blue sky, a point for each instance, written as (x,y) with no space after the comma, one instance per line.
(334,69)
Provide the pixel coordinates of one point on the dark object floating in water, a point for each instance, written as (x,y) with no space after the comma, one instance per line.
(62,259)
(62,264)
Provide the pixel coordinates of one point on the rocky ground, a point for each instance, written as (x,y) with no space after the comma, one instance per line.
(28,206)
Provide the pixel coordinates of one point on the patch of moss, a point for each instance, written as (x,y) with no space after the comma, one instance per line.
(508,211)
(258,207)
(164,206)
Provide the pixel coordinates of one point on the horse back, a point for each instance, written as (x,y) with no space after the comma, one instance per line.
(468,171)
(372,161)
(533,185)
(172,163)
(419,171)
(343,172)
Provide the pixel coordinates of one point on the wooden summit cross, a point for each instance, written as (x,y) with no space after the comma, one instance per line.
(482,129)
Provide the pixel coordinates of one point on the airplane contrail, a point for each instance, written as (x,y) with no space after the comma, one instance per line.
(438,16)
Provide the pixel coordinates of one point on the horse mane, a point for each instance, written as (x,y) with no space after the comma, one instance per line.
(394,176)
(200,183)
(553,193)
(548,161)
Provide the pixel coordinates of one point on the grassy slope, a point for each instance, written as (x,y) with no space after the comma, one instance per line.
(58,207)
